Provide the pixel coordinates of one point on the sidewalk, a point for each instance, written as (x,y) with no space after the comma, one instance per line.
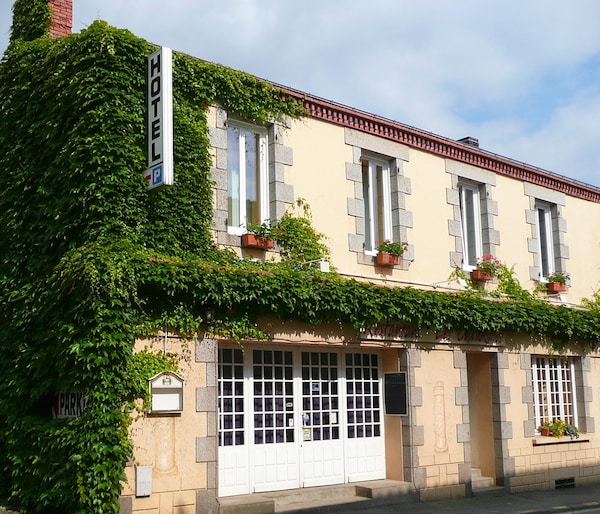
(584,498)
(580,499)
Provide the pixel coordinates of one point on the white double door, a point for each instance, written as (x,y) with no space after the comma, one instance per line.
(292,418)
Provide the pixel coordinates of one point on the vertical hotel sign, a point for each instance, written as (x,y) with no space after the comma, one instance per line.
(160,119)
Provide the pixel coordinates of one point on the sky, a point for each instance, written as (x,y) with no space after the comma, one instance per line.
(522,76)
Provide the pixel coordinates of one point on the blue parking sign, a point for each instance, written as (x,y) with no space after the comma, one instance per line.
(157,175)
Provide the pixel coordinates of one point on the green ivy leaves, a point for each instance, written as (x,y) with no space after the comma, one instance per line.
(91,260)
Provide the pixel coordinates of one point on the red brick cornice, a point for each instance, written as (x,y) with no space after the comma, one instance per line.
(347,117)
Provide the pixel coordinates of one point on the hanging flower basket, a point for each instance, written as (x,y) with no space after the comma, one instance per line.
(480,275)
(556,287)
(259,242)
(387,259)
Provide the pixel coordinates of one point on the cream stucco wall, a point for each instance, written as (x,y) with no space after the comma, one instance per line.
(431,212)
(442,453)
(583,229)
(514,230)
(168,442)
(318,174)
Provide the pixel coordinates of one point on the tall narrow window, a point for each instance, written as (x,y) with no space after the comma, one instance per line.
(554,390)
(377,201)
(545,239)
(470,219)
(247,187)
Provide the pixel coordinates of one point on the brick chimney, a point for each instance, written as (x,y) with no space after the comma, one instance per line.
(61,23)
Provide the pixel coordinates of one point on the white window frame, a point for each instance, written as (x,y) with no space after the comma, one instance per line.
(470,261)
(554,389)
(546,243)
(263,175)
(370,189)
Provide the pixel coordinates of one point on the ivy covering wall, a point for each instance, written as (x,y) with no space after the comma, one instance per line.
(90,259)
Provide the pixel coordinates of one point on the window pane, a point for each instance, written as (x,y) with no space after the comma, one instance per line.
(252,176)
(246,172)
(377,202)
(233,176)
(554,392)
(378,205)
(368,204)
(545,241)
(469,212)
(362,398)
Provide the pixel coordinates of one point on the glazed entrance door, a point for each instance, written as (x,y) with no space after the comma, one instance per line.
(275,450)
(322,447)
(234,465)
(365,445)
(291,418)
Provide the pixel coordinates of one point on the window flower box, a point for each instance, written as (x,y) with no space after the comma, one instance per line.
(250,240)
(389,252)
(487,268)
(387,259)
(556,287)
(480,275)
(557,282)
(559,428)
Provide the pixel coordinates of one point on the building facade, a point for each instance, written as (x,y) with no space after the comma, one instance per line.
(308,407)
(331,403)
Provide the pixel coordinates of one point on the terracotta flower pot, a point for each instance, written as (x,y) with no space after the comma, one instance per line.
(480,275)
(387,259)
(545,431)
(253,241)
(555,287)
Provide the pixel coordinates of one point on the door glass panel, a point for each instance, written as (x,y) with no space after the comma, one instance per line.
(273,397)
(362,395)
(231,397)
(320,396)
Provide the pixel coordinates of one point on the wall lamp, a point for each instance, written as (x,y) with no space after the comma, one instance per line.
(209,315)
(323,264)
(461,282)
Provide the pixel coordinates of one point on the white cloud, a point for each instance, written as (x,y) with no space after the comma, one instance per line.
(518,75)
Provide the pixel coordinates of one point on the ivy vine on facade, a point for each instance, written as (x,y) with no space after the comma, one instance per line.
(103,285)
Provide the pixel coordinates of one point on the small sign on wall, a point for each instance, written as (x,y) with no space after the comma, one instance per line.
(166,391)
(68,405)
(395,392)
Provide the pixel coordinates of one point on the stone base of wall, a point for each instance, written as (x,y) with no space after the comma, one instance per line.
(206,502)
(547,480)
(447,492)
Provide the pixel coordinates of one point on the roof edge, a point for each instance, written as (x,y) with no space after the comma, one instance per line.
(344,116)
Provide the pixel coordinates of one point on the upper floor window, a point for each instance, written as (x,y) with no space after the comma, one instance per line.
(554,390)
(377,202)
(470,220)
(247,176)
(545,237)
(548,242)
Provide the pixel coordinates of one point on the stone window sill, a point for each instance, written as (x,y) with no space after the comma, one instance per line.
(547,441)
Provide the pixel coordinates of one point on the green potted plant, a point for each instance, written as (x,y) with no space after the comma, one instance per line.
(558,428)
(487,267)
(389,252)
(258,235)
(557,282)
(544,429)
